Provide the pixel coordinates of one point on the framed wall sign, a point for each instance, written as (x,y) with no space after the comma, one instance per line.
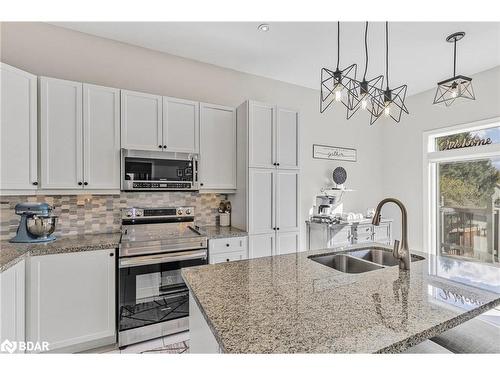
(334,153)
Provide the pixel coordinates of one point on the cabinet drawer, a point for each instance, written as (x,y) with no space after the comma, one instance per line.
(226,257)
(227,245)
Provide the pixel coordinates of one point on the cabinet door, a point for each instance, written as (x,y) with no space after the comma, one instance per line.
(262,135)
(61,134)
(227,257)
(181,130)
(141,121)
(101,137)
(262,245)
(287,242)
(261,197)
(12,307)
(287,200)
(71,299)
(18,129)
(287,138)
(217,147)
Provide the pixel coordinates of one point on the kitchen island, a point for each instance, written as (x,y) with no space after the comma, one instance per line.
(292,304)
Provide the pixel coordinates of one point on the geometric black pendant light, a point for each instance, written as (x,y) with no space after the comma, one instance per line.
(389,102)
(364,91)
(336,85)
(455,87)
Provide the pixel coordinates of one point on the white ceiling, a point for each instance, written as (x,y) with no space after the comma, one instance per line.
(294,52)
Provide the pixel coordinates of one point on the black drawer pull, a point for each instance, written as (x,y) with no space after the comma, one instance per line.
(227,245)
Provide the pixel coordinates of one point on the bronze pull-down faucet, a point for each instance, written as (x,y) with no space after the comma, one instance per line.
(400,252)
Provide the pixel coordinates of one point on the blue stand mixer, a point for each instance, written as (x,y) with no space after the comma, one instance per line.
(37,223)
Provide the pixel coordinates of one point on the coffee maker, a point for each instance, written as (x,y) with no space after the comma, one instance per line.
(328,205)
(37,223)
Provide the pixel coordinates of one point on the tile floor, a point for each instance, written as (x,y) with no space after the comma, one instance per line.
(174,344)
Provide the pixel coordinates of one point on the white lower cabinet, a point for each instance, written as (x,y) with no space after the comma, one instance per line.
(12,306)
(227,249)
(287,242)
(261,245)
(70,300)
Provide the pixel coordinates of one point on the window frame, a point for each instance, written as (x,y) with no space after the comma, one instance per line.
(431,160)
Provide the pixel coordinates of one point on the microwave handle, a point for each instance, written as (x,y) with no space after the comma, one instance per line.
(162,258)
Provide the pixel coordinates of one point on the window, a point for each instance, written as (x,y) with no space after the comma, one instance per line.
(462,191)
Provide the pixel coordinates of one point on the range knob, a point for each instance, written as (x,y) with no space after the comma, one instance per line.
(179,212)
(188,211)
(138,213)
(129,214)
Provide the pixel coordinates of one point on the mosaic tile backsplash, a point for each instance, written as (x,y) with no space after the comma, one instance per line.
(83,214)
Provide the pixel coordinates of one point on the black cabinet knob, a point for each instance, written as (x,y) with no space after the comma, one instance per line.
(278,164)
(277,228)
(111,254)
(35,183)
(164,146)
(227,245)
(80,183)
(159,146)
(227,260)
(201,183)
(85,183)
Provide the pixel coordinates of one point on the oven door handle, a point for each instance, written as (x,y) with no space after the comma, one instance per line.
(162,258)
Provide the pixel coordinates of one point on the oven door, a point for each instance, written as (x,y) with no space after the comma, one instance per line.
(152,289)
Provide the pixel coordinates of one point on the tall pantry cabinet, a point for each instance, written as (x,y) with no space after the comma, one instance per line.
(266,203)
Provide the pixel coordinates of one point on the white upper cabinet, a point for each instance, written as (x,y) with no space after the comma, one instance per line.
(18,129)
(181,130)
(79,135)
(261,134)
(101,137)
(141,121)
(61,134)
(217,147)
(287,138)
(261,197)
(287,200)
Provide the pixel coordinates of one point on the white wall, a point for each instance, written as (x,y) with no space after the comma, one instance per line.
(402,144)
(52,51)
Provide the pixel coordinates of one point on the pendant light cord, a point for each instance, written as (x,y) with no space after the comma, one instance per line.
(338,44)
(454,57)
(387,53)
(366,51)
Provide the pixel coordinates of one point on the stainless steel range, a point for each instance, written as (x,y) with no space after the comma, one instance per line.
(153,298)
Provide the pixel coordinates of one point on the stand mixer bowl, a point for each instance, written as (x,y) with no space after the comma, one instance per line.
(41,226)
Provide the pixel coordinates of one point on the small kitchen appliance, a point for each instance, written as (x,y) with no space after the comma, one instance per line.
(37,223)
(153,298)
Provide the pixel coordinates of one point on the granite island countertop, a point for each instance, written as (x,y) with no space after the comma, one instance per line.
(291,304)
(216,231)
(11,253)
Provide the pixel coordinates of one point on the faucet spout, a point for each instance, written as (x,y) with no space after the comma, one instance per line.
(401,251)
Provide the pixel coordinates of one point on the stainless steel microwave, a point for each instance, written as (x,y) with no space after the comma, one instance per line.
(158,171)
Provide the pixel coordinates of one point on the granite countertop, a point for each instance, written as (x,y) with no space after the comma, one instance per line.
(290,304)
(11,253)
(216,231)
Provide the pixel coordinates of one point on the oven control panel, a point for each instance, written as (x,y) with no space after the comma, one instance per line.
(161,185)
(147,214)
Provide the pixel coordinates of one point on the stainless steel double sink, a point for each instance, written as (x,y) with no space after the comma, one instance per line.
(360,260)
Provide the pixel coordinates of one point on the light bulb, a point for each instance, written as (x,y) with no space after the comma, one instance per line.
(387,109)
(364,103)
(454,93)
(338,95)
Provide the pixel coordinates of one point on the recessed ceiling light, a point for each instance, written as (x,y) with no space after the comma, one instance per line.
(263,27)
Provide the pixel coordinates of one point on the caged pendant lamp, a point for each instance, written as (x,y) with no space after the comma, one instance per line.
(336,85)
(364,91)
(389,102)
(455,87)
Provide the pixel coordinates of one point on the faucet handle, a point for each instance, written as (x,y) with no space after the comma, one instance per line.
(395,251)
